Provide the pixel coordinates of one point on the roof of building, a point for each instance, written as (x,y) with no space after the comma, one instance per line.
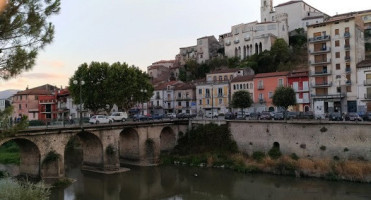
(155,67)
(184,86)
(364,63)
(313,17)
(333,19)
(225,70)
(353,13)
(163,86)
(299,73)
(243,78)
(46,89)
(271,74)
(163,61)
(287,3)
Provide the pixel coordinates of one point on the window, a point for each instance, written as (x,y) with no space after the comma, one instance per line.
(260,84)
(244,86)
(200,102)
(261,96)
(226,78)
(207,93)
(179,95)
(20,97)
(337,54)
(234,86)
(251,86)
(220,101)
(270,95)
(187,104)
(337,43)
(241,86)
(214,78)
(280,82)
(36,97)
(220,78)
(26,105)
(199,91)
(34,115)
(349,89)
(208,101)
(158,103)
(179,103)
(336,31)
(338,89)
(337,66)
(347,29)
(200,55)
(19,106)
(231,77)
(220,92)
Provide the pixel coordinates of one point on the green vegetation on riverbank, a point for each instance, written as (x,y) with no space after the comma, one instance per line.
(212,146)
(9,153)
(11,189)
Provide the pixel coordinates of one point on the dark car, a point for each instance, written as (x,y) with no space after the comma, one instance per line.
(140,117)
(229,115)
(278,116)
(336,116)
(367,116)
(291,115)
(265,116)
(306,115)
(254,115)
(157,116)
(184,116)
(352,117)
(242,115)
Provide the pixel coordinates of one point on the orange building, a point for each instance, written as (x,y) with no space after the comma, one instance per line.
(264,86)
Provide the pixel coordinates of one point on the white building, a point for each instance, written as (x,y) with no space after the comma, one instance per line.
(299,13)
(364,86)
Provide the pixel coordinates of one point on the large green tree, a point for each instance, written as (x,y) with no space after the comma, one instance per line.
(280,51)
(284,97)
(241,99)
(24,30)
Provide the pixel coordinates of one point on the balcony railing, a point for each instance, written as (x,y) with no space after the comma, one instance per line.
(320,38)
(321,50)
(236,41)
(347,47)
(328,96)
(348,82)
(301,89)
(320,62)
(367,82)
(347,58)
(260,87)
(321,73)
(347,35)
(348,70)
(368,96)
(302,100)
(322,84)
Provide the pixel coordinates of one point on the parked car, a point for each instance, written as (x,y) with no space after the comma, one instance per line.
(140,117)
(184,116)
(210,115)
(367,116)
(171,115)
(265,115)
(119,116)
(229,115)
(352,117)
(291,115)
(157,116)
(242,115)
(254,115)
(278,116)
(306,115)
(100,119)
(335,116)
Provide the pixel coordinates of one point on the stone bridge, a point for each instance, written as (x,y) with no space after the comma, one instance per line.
(104,147)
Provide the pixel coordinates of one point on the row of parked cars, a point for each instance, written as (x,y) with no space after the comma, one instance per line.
(266,115)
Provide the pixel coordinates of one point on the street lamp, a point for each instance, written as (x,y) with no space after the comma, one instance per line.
(144,91)
(80,83)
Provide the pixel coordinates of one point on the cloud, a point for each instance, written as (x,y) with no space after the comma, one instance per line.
(45,76)
(58,64)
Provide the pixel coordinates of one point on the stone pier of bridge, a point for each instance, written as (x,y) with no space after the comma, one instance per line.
(104,147)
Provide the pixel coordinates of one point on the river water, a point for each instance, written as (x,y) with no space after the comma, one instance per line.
(185,183)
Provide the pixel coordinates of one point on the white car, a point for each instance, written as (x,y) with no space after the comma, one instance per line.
(171,115)
(118,116)
(100,119)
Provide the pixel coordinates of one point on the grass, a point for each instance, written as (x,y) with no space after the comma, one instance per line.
(9,153)
(11,189)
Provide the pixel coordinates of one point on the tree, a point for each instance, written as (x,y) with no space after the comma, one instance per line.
(241,99)
(24,30)
(9,128)
(280,51)
(284,97)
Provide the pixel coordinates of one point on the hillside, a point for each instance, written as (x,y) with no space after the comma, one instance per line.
(7,93)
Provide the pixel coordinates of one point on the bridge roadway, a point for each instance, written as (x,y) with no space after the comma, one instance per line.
(104,146)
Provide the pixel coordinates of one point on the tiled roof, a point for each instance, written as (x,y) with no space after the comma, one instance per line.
(224,70)
(163,61)
(364,63)
(163,86)
(271,74)
(34,92)
(184,86)
(287,3)
(243,78)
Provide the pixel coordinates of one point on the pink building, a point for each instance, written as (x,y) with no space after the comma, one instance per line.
(264,86)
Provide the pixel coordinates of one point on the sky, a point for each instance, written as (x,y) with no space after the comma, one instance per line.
(140,32)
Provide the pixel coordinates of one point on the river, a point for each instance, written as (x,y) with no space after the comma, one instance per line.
(185,183)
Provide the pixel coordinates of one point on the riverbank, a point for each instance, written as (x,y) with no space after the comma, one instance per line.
(212,146)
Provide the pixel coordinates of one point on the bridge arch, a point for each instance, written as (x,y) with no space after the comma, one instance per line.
(92,149)
(129,144)
(167,139)
(29,157)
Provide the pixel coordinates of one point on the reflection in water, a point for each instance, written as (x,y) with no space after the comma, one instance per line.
(178,183)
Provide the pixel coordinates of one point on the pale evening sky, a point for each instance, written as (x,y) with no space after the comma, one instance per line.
(141,32)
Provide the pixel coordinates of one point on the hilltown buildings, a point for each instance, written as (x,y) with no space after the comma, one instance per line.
(335,47)
(364,86)
(299,81)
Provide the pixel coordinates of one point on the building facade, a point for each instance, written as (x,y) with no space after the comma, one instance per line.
(264,86)
(299,81)
(243,83)
(335,47)
(185,97)
(364,86)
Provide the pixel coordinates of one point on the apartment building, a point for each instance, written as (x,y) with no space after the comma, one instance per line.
(299,14)
(252,38)
(185,97)
(213,97)
(163,100)
(264,86)
(335,47)
(207,48)
(364,86)
(299,81)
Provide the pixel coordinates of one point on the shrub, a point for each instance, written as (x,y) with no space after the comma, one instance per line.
(36,123)
(51,157)
(336,158)
(294,156)
(11,189)
(274,153)
(258,155)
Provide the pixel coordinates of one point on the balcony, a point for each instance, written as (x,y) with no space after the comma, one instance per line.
(346,35)
(319,39)
(302,101)
(347,58)
(183,98)
(347,47)
(328,96)
(301,89)
(247,38)
(348,70)
(348,82)
(321,73)
(322,84)
(261,100)
(320,51)
(157,97)
(367,96)
(320,62)
(236,41)
(367,82)
(261,87)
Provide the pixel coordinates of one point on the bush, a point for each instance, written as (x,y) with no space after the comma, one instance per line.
(11,189)
(36,123)
(274,153)
(51,157)
(258,156)
(294,156)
